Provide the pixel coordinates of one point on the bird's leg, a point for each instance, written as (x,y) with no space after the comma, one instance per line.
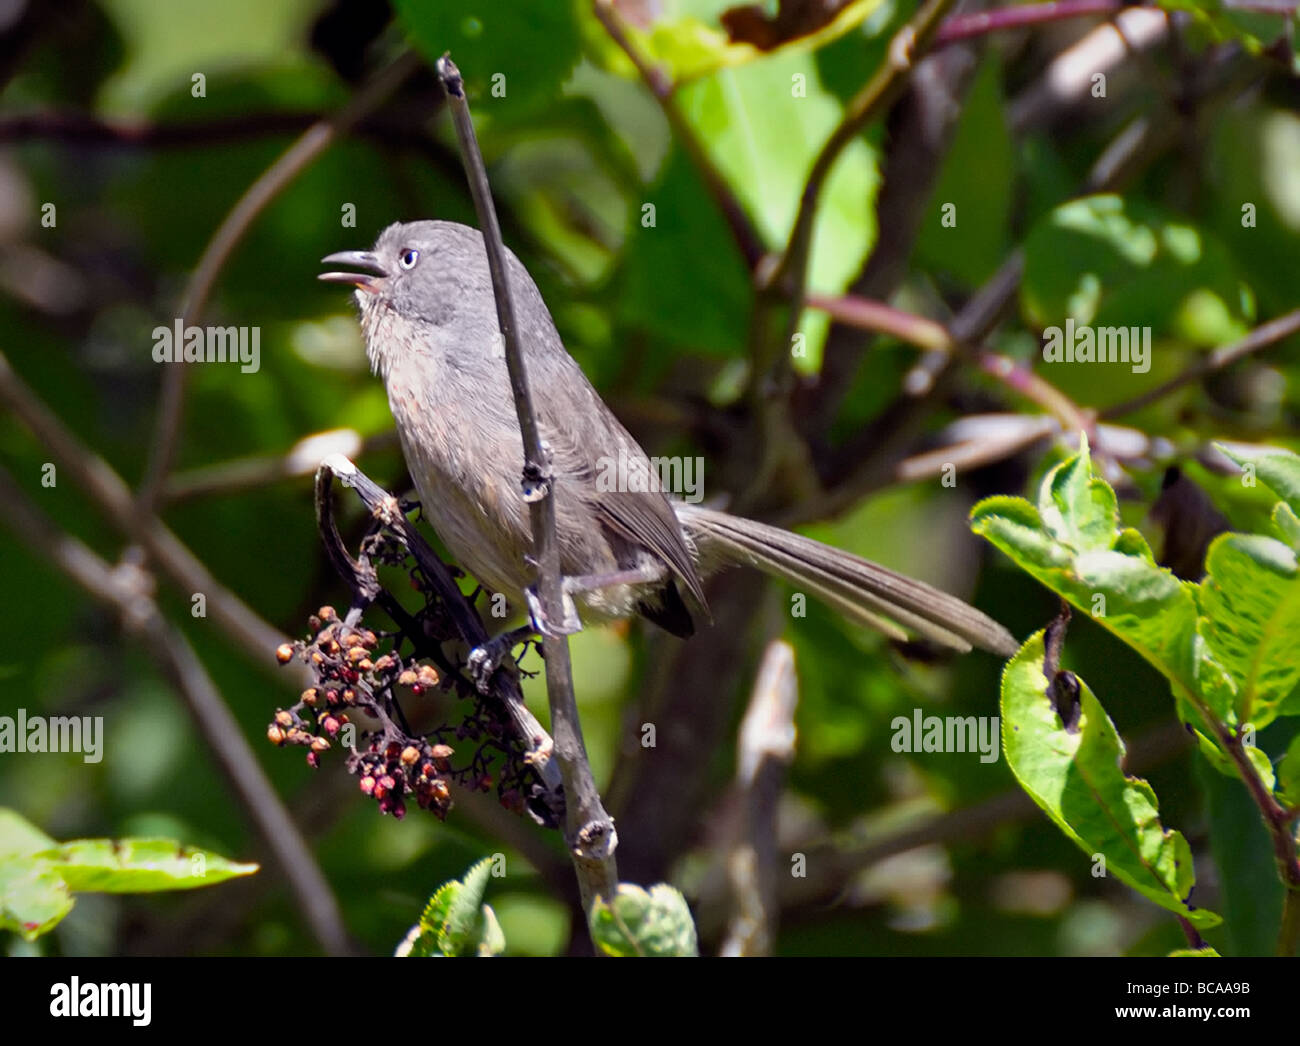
(485,659)
(645,574)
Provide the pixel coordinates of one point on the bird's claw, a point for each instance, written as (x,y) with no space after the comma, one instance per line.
(544,625)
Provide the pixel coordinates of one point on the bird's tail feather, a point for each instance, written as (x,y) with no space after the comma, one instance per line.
(858,588)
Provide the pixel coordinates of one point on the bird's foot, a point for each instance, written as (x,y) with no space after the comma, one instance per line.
(483,661)
(570,623)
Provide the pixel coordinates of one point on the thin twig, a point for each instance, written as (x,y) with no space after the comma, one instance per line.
(1261,337)
(590,830)
(1000,19)
(248,633)
(249,473)
(255,199)
(782,285)
(125,589)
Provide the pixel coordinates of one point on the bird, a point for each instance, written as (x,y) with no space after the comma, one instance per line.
(429,320)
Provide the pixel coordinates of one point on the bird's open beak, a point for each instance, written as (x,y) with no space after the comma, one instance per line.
(364,281)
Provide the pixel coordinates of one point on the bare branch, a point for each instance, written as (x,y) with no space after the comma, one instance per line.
(248,633)
(126,590)
(255,199)
(764,754)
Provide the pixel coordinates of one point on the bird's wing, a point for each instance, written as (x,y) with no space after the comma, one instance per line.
(586,440)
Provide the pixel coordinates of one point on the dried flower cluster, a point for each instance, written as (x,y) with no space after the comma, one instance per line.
(393,763)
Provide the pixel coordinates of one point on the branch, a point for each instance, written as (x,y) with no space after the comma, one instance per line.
(255,199)
(981,23)
(1261,337)
(125,590)
(590,832)
(747,237)
(247,632)
(782,285)
(874,98)
(366,589)
(302,459)
(932,336)
(765,751)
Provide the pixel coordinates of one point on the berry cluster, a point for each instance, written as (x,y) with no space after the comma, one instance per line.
(353,675)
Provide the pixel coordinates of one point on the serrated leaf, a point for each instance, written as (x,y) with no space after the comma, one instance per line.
(462,923)
(1111,577)
(1078,509)
(1194,953)
(1250,602)
(1075,776)
(637,922)
(140,866)
(435,911)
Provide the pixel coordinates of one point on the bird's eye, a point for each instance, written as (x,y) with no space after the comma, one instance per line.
(408,258)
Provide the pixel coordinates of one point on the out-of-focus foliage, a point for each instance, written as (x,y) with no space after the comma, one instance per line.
(610,212)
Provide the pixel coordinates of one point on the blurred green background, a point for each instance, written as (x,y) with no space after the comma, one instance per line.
(907,853)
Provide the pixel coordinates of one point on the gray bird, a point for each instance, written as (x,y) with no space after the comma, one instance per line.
(430,324)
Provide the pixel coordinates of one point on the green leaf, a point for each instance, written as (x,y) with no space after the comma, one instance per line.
(38,875)
(1279,470)
(1250,600)
(1072,546)
(1194,953)
(1082,511)
(1105,261)
(140,866)
(455,922)
(19,837)
(463,923)
(1287,523)
(530,48)
(33,896)
(683,278)
(654,923)
(976,184)
(1288,774)
(763,126)
(1250,894)
(1076,777)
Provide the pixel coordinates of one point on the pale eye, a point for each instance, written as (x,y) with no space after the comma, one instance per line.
(408,258)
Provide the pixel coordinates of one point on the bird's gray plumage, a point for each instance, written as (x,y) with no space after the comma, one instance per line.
(431,332)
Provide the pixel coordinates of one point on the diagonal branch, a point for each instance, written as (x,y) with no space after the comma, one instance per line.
(314,141)
(125,589)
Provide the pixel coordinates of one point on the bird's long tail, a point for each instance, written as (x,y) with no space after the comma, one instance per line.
(862,590)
